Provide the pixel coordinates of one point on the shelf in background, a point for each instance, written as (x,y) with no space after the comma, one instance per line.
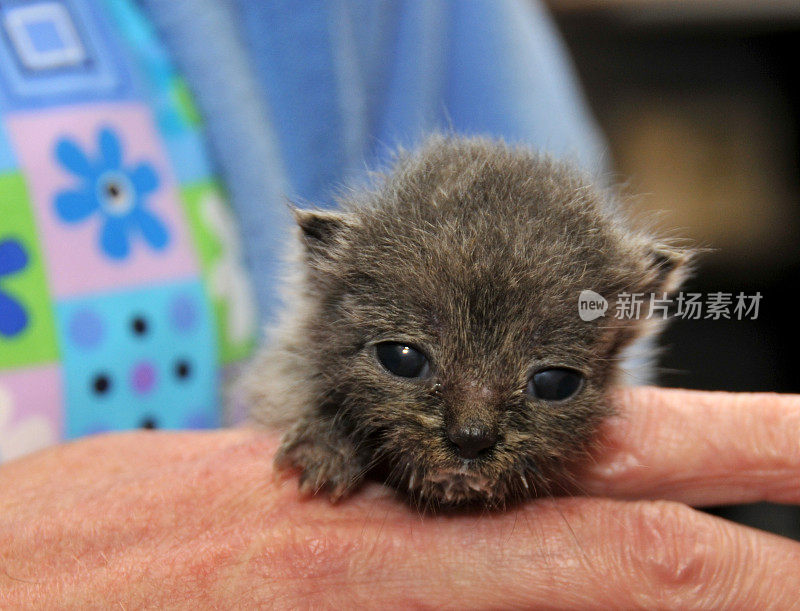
(778,13)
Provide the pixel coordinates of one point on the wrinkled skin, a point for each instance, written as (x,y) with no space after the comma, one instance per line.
(195,520)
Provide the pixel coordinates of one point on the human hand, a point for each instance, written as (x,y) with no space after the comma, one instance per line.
(157,519)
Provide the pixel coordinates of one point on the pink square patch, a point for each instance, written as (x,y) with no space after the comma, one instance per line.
(31,410)
(105,197)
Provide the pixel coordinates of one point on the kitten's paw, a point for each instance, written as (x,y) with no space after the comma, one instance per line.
(324,468)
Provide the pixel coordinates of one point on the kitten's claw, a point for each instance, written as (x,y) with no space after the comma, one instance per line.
(323,469)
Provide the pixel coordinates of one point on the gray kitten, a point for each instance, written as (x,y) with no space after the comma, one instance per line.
(431,335)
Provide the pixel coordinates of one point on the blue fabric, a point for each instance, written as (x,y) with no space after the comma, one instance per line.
(13,259)
(123,211)
(302,97)
(204,39)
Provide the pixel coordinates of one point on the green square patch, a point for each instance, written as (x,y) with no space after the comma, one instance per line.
(27,325)
(216,237)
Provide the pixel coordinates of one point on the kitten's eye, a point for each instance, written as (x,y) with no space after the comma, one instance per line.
(402,360)
(555,384)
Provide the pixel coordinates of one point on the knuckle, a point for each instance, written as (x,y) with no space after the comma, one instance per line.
(305,565)
(675,551)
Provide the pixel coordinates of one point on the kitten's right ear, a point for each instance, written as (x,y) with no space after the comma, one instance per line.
(669,266)
(319,228)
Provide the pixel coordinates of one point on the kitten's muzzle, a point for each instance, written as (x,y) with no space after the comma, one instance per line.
(471,440)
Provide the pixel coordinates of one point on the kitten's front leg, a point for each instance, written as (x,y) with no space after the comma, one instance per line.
(326,457)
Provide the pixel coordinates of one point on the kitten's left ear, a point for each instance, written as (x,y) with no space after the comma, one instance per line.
(319,228)
(668,266)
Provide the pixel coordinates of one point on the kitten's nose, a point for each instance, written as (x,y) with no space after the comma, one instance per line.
(471,440)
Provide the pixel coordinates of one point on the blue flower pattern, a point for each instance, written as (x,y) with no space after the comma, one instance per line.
(116,192)
(13,259)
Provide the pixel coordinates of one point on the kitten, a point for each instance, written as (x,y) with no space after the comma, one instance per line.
(431,334)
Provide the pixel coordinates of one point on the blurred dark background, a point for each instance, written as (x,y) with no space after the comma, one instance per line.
(700,104)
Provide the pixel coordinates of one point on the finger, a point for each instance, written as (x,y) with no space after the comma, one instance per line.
(701,448)
(565,553)
(210,526)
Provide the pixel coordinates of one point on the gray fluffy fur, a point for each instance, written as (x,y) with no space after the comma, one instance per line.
(474,252)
